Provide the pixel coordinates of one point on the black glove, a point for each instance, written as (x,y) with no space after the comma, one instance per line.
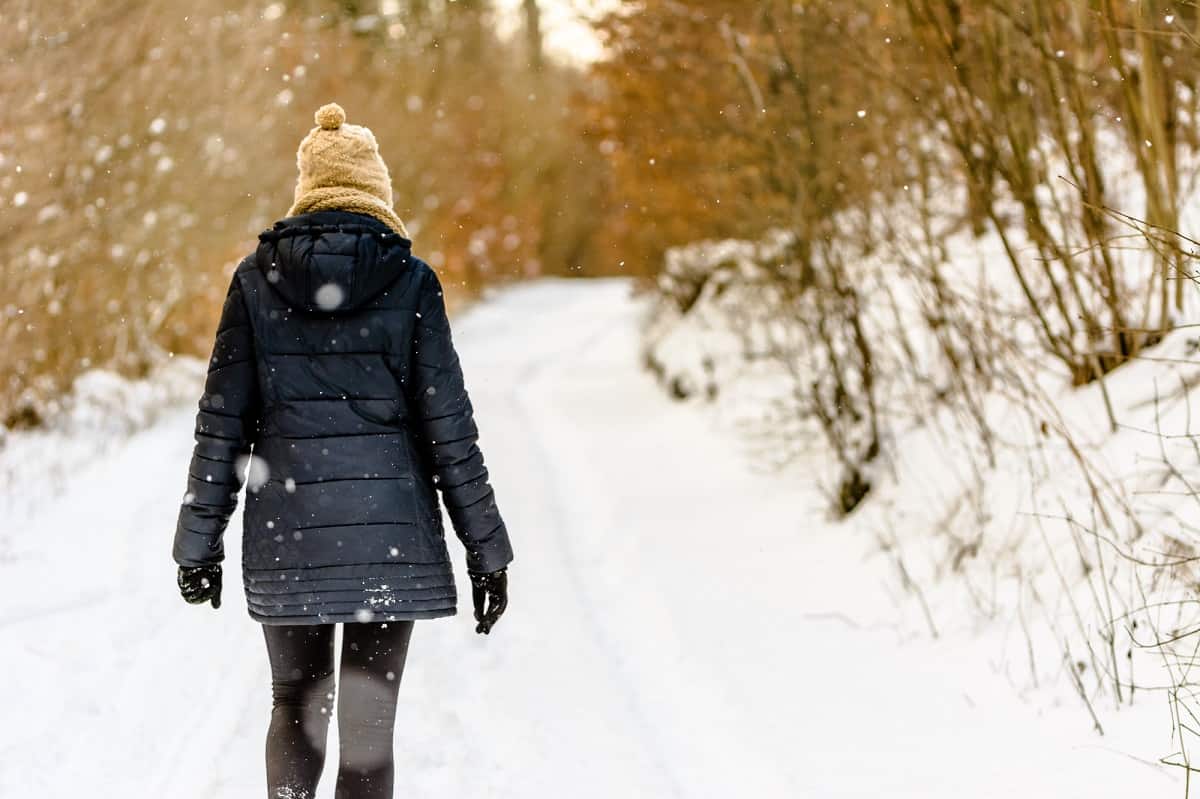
(199,584)
(493,585)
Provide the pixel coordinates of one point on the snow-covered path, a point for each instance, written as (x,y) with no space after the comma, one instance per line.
(680,626)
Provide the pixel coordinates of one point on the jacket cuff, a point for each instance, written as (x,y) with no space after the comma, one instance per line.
(193,549)
(490,557)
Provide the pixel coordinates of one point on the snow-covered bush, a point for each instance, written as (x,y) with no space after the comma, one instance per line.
(102,409)
(712,322)
(847,340)
(1069,510)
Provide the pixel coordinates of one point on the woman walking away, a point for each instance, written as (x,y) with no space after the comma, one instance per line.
(334,383)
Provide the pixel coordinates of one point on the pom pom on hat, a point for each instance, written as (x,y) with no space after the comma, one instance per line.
(330,117)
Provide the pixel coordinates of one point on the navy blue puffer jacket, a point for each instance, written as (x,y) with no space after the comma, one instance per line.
(335,392)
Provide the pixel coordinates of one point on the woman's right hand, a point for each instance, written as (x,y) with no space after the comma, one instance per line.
(199,584)
(492,586)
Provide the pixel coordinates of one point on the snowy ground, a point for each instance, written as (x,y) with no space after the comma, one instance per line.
(681,625)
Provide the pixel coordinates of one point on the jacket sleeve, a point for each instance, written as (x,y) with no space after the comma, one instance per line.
(446,426)
(225,429)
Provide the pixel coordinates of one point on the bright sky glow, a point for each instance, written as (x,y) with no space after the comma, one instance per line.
(565,29)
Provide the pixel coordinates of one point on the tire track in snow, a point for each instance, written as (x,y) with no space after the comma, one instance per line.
(540,368)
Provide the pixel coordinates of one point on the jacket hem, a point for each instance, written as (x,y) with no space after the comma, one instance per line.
(335,618)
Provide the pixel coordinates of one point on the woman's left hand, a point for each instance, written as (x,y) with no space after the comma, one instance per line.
(199,584)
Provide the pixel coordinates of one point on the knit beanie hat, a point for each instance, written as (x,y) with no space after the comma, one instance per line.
(340,169)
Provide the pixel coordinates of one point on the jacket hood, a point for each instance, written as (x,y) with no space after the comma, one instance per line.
(331,262)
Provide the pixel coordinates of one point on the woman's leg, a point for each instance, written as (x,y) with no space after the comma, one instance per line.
(373,657)
(302,692)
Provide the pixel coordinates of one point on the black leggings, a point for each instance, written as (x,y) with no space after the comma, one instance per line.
(302,688)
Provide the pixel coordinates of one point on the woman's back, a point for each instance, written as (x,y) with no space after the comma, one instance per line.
(334,361)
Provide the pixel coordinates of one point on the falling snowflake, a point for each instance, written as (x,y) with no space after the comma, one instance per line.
(330,296)
(260,471)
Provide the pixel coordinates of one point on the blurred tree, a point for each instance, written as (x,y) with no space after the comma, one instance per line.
(669,113)
(829,118)
(533,33)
